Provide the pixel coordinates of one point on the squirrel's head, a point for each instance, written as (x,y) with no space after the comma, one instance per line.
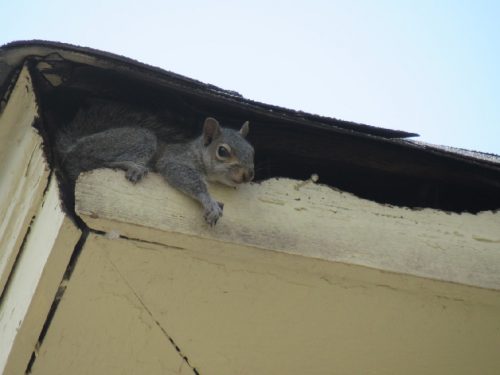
(227,155)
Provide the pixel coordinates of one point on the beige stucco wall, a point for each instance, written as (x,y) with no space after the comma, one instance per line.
(241,310)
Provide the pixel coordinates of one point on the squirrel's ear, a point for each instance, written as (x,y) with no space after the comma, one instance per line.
(244,129)
(211,130)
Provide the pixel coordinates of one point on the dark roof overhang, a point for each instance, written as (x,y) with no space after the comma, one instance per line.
(372,162)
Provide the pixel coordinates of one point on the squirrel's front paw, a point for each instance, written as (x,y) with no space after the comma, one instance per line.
(213,212)
(136,173)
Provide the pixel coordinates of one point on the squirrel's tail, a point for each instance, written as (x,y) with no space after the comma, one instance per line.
(68,135)
(64,142)
(88,120)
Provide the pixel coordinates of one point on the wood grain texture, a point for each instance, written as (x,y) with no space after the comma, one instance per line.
(34,282)
(23,172)
(305,219)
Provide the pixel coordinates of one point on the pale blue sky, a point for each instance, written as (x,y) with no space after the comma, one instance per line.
(430,67)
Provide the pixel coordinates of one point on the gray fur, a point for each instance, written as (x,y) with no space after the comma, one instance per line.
(115,137)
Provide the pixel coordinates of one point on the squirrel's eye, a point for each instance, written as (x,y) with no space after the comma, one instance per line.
(223,152)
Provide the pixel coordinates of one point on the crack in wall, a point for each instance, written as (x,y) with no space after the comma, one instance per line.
(28,230)
(57,298)
(16,260)
(165,333)
(140,240)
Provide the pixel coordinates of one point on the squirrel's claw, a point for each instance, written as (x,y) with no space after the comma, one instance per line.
(213,212)
(136,173)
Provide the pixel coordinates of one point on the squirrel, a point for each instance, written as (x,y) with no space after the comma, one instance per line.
(110,135)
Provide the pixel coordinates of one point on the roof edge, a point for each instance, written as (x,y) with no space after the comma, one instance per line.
(12,54)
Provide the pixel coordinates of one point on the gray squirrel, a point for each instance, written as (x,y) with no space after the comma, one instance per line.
(114,136)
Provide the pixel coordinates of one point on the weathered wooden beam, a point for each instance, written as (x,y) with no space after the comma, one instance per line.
(36,237)
(303,219)
(23,171)
(34,282)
